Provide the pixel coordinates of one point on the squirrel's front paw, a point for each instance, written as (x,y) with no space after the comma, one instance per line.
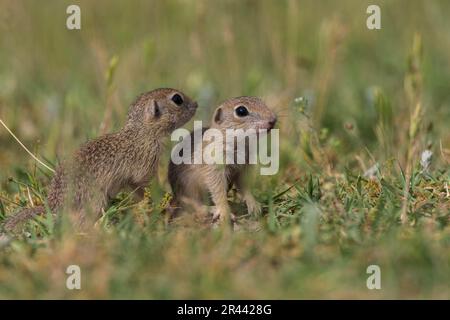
(221,215)
(253,206)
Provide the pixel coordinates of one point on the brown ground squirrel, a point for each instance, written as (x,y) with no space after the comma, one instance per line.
(106,165)
(192,182)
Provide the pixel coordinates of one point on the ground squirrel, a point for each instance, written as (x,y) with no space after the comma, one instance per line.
(106,165)
(191,182)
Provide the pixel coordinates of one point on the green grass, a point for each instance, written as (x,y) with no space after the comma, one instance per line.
(372,97)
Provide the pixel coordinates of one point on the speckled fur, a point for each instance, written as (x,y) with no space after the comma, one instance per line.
(106,165)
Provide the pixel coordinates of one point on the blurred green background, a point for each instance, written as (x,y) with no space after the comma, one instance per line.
(60,87)
(51,76)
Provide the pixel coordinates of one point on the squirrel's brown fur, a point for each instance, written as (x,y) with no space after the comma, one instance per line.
(191,182)
(106,165)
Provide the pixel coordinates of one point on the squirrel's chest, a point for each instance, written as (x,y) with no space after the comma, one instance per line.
(145,158)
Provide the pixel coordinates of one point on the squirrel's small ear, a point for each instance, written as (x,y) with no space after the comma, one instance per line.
(218,116)
(152,110)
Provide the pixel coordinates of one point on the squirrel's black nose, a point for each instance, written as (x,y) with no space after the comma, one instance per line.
(194,105)
(272,122)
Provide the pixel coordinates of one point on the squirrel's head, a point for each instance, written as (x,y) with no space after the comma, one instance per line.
(244,113)
(162,109)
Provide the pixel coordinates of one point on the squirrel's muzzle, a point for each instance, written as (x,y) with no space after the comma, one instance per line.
(193,105)
(271,123)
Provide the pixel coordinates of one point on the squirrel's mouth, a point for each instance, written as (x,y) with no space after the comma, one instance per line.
(267,126)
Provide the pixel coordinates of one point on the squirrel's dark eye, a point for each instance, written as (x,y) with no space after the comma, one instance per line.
(241,111)
(177,99)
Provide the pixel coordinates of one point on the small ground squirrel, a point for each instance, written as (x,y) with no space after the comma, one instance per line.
(191,182)
(106,165)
